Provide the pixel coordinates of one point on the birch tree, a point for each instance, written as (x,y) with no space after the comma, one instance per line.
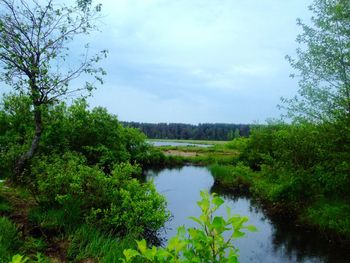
(35,58)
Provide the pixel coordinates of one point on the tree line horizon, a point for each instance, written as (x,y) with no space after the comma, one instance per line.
(201,131)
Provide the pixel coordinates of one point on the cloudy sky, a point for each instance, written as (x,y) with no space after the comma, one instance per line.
(195,61)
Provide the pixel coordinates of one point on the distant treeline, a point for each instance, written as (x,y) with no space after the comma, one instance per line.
(205,131)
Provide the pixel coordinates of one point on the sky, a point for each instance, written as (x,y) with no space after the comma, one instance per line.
(196,61)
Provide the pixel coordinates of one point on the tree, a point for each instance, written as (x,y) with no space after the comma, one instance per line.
(323,63)
(34,54)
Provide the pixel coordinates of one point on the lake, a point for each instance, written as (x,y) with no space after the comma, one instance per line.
(275,242)
(171,143)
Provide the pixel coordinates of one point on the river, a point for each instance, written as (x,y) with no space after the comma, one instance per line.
(275,242)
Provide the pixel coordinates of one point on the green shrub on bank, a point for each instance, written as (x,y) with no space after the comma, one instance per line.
(317,156)
(94,133)
(70,192)
(238,177)
(305,166)
(239,144)
(330,215)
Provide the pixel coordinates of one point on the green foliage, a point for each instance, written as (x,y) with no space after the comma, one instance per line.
(88,242)
(9,239)
(311,158)
(82,172)
(330,215)
(239,144)
(236,178)
(15,130)
(135,209)
(95,133)
(33,246)
(70,192)
(33,36)
(19,259)
(322,64)
(34,41)
(38,258)
(207,133)
(5,206)
(204,244)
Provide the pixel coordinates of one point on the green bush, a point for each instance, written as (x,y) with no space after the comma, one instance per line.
(134,209)
(94,133)
(330,215)
(70,192)
(238,178)
(239,144)
(312,156)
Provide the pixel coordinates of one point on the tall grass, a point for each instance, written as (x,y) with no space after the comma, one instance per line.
(87,242)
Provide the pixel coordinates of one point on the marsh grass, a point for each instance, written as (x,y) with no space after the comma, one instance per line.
(219,153)
(89,243)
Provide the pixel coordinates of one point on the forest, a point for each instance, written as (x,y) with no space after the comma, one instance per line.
(72,185)
(202,131)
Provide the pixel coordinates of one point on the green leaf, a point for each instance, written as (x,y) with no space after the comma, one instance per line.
(219,224)
(237,234)
(176,244)
(142,246)
(181,231)
(217,201)
(151,253)
(204,205)
(251,228)
(163,255)
(196,220)
(19,259)
(129,254)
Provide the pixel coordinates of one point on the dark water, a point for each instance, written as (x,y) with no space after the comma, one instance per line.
(162,143)
(275,242)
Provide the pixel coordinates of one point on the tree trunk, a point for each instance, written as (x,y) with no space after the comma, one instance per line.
(24,158)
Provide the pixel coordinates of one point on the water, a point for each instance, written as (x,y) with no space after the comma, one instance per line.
(170,143)
(275,242)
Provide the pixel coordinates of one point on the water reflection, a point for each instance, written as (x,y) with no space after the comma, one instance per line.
(277,240)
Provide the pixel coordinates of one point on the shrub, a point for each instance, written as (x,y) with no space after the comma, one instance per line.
(239,144)
(330,215)
(133,209)
(238,178)
(70,192)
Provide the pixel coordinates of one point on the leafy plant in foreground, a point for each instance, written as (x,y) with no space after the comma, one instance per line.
(204,244)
